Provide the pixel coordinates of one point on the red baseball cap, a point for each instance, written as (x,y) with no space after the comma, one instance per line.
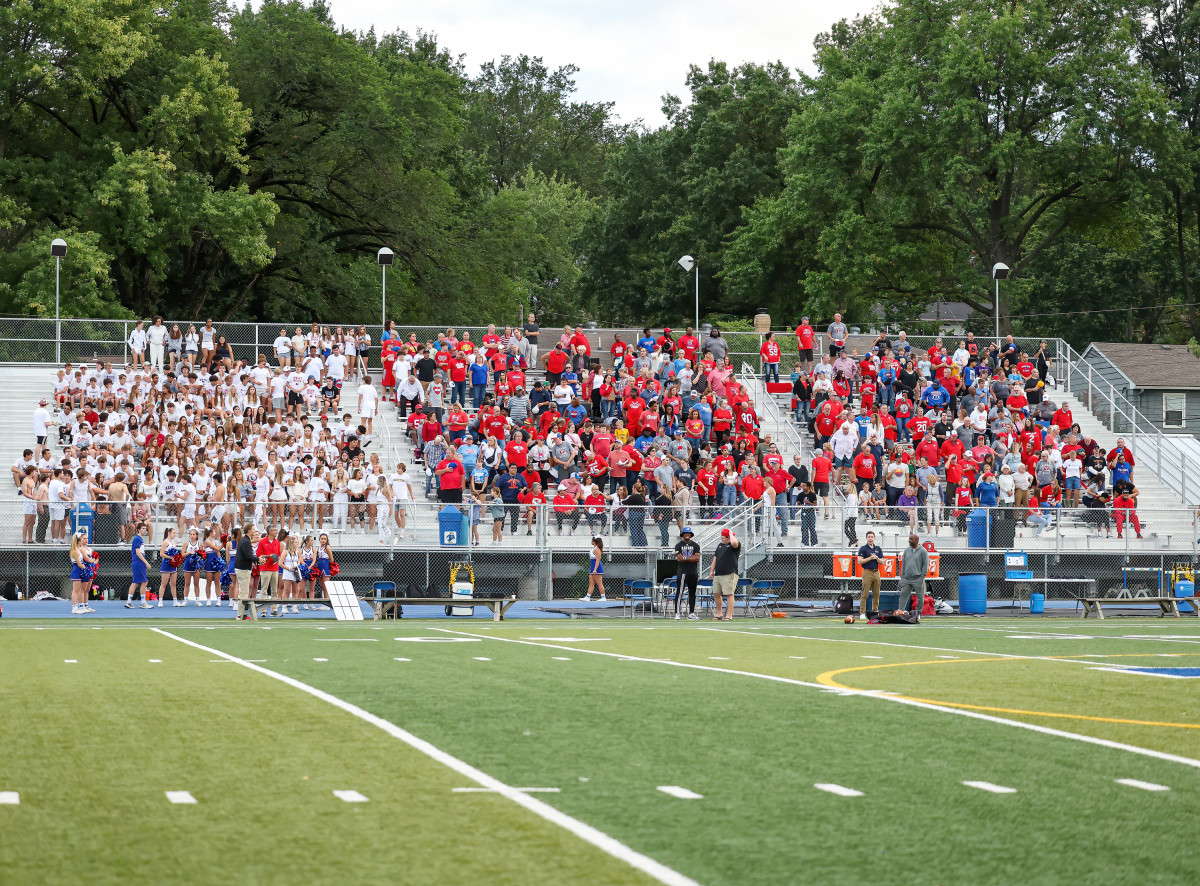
(725,533)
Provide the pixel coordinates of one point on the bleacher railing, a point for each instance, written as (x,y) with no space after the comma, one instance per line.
(1152,449)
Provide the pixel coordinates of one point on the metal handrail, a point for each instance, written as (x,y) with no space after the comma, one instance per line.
(1170,461)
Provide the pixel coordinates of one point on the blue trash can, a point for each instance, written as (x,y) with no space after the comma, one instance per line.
(83,516)
(972,594)
(451,532)
(1185,589)
(1037,604)
(977,528)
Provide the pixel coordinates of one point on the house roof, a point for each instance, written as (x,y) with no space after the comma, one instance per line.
(1153,367)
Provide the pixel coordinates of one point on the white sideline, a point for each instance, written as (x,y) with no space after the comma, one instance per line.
(867,693)
(586,832)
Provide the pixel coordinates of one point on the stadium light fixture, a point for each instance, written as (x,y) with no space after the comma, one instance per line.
(687,263)
(58,249)
(1000,271)
(384,257)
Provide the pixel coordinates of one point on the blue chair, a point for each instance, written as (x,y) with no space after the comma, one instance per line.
(638,593)
(704,594)
(742,594)
(668,591)
(383,589)
(762,600)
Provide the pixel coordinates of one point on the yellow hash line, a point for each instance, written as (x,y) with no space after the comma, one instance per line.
(827,679)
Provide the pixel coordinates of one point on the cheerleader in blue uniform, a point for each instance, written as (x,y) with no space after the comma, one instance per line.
(213,564)
(307,566)
(193,559)
(321,574)
(170,559)
(83,570)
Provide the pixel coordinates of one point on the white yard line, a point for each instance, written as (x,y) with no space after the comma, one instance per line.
(1143,785)
(989,787)
(837,789)
(490,791)
(350,797)
(10,798)
(585,832)
(910,702)
(180,798)
(675,790)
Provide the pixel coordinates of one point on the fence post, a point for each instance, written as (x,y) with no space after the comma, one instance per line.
(125,341)
(256,344)
(1112,408)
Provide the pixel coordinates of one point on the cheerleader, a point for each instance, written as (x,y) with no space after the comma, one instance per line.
(324,562)
(83,570)
(308,563)
(228,577)
(171,558)
(213,566)
(289,573)
(193,558)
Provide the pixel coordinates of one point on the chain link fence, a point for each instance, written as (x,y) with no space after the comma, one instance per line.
(1072,553)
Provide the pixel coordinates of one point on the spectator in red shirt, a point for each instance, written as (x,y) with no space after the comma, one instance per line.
(689,345)
(618,349)
(864,469)
(822,469)
(450,474)
(769,352)
(1063,419)
(805,340)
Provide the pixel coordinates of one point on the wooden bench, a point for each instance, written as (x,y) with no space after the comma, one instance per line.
(249,607)
(1168,605)
(1045,581)
(498,605)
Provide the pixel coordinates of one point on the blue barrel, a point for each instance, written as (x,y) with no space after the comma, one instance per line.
(977,528)
(1037,604)
(1185,589)
(972,593)
(451,532)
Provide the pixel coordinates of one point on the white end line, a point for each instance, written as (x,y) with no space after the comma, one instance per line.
(586,832)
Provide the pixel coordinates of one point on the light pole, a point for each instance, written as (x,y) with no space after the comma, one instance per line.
(999,272)
(687,263)
(58,248)
(385,257)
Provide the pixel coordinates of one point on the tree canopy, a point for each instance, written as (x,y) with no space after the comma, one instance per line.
(248,163)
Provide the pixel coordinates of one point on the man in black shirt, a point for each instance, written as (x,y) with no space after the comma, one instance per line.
(426,369)
(869,557)
(724,573)
(531,341)
(245,560)
(687,571)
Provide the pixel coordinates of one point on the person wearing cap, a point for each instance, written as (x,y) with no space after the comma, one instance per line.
(724,574)
(687,572)
(42,422)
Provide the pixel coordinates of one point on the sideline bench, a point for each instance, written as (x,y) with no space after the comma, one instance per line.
(1045,581)
(498,605)
(1168,605)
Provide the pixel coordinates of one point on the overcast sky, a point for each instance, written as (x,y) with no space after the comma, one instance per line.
(631,52)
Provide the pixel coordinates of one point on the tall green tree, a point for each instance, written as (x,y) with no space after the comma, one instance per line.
(940,137)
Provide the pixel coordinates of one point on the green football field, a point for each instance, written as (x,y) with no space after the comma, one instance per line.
(959,752)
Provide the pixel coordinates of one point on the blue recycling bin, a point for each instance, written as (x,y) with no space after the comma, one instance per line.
(972,593)
(452,527)
(977,528)
(83,516)
(1185,589)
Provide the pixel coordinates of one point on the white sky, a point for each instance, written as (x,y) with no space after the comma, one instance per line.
(631,52)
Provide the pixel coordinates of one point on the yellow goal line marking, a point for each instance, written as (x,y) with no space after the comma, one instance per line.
(828,679)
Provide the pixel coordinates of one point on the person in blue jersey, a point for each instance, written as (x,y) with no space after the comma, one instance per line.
(140,566)
(83,570)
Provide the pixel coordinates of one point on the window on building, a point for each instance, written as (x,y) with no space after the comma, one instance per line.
(1173,407)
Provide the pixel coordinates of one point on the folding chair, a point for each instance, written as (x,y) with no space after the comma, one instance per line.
(761,599)
(638,593)
(668,591)
(742,595)
(704,595)
(383,590)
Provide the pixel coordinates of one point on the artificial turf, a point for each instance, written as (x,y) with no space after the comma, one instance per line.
(607,731)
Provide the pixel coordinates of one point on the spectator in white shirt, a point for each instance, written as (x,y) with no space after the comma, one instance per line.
(367,403)
(137,343)
(156,335)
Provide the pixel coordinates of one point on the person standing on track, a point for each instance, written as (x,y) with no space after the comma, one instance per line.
(869,557)
(140,566)
(83,562)
(914,566)
(687,571)
(596,571)
(724,574)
